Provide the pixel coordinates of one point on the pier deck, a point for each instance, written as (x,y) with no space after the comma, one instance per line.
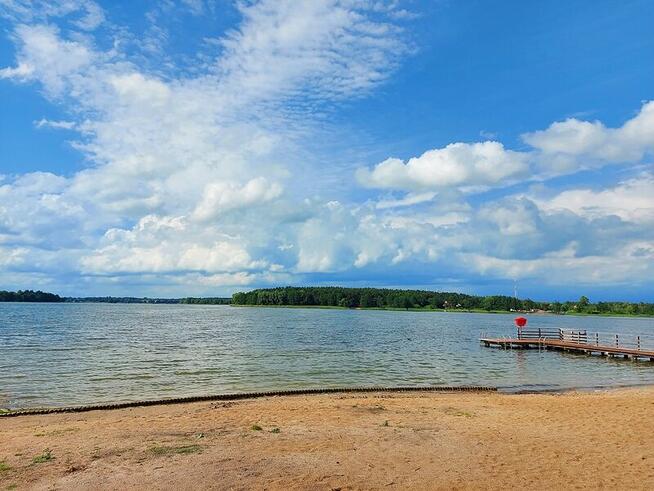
(570,341)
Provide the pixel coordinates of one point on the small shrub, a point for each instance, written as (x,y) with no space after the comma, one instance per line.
(46,456)
(182,450)
(256,428)
(453,411)
(275,430)
(4,467)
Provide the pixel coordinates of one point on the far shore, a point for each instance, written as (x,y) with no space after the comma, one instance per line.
(458,311)
(381,440)
(335,307)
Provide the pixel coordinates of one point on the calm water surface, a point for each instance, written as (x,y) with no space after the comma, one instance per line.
(61,354)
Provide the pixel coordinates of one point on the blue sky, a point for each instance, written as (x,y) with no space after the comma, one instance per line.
(204,147)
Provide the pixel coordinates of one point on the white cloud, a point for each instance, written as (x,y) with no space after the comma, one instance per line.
(58,125)
(323,48)
(46,57)
(629,265)
(573,144)
(84,14)
(162,146)
(134,88)
(632,200)
(220,197)
(456,165)
(563,148)
(166,244)
(196,7)
(409,200)
(92,18)
(22,71)
(199,181)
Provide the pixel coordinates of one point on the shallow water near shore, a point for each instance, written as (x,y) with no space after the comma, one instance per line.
(68,354)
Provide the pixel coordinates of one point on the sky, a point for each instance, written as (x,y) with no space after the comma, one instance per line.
(203,147)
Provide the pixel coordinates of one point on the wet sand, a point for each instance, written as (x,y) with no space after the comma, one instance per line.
(327,442)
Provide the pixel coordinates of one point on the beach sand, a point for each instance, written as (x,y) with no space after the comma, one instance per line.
(343,441)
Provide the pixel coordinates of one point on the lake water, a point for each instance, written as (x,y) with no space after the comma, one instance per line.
(66,354)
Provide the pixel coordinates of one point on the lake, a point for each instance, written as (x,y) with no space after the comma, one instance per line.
(68,354)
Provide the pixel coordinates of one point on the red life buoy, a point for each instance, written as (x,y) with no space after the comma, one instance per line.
(520,322)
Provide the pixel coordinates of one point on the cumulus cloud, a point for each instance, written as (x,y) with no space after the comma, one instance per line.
(166,244)
(457,164)
(221,197)
(565,147)
(573,144)
(631,200)
(629,265)
(175,159)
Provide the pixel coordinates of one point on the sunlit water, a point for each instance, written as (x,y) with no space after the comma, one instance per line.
(63,354)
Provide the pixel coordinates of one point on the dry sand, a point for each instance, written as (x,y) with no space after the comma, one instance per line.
(368,441)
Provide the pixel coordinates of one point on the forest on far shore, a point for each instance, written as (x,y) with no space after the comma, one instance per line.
(29,296)
(382,298)
(375,298)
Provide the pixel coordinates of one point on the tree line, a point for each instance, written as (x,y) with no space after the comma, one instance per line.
(381,298)
(206,300)
(422,299)
(29,296)
(120,300)
(39,296)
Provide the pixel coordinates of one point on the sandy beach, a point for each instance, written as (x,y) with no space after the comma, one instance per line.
(584,440)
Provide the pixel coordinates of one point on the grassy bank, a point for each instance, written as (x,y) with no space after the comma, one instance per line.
(420,309)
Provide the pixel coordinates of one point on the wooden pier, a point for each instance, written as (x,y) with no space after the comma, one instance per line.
(574,341)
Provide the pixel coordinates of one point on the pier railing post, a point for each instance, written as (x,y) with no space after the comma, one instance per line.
(596,339)
(617,343)
(638,342)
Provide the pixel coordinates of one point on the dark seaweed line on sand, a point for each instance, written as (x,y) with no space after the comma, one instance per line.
(240,396)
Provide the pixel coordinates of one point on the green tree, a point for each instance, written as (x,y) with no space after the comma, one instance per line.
(583,303)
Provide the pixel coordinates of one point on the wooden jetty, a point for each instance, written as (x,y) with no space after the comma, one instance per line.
(574,341)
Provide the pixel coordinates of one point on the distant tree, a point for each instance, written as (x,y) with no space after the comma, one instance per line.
(367,300)
(583,303)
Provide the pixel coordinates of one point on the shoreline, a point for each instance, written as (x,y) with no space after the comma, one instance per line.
(336,307)
(376,440)
(236,396)
(461,311)
(6,412)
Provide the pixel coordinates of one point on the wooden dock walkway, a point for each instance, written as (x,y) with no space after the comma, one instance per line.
(573,341)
